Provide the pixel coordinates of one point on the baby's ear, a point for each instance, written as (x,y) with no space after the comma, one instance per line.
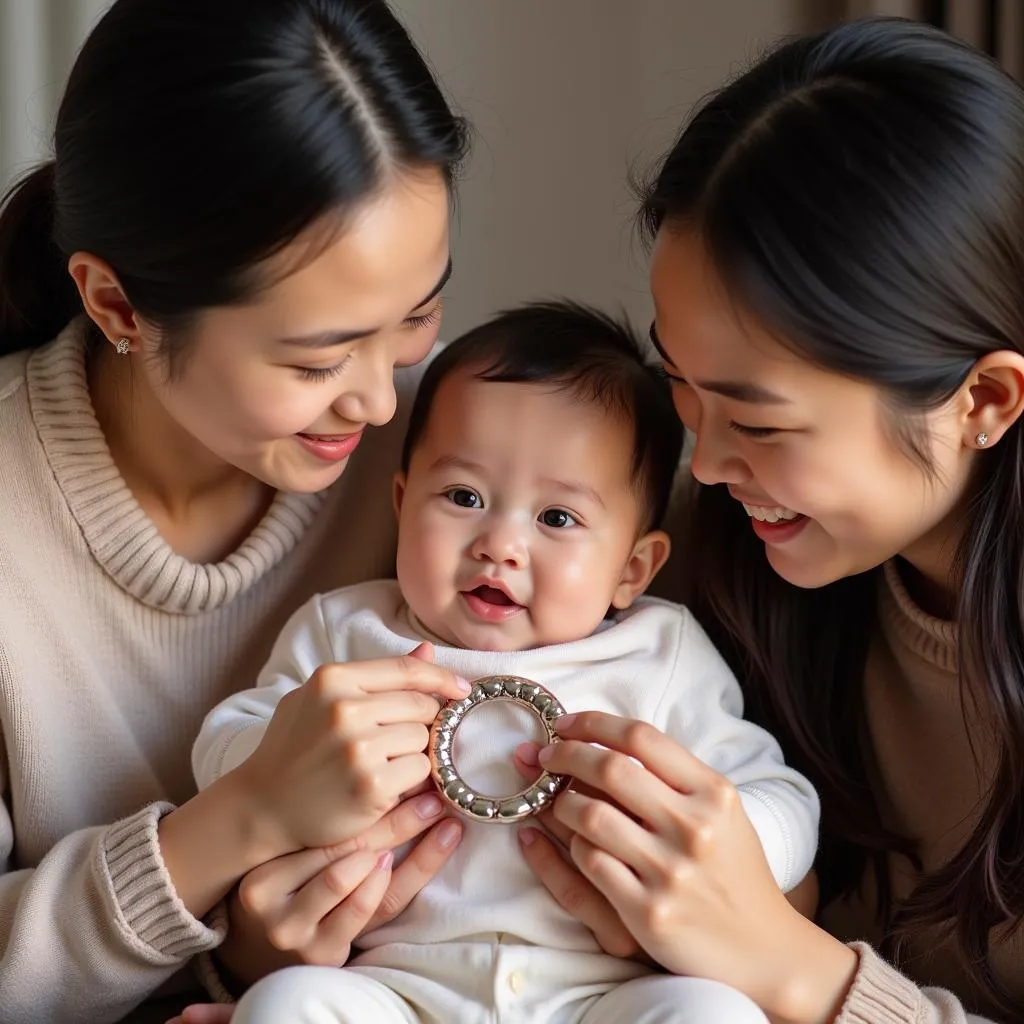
(649,554)
(398,492)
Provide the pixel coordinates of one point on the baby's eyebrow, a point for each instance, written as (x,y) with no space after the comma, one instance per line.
(456,462)
(575,487)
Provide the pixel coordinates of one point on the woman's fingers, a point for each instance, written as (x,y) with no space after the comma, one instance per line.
(300,918)
(622,889)
(390,708)
(576,894)
(399,775)
(404,823)
(637,790)
(332,941)
(391,741)
(555,828)
(264,890)
(607,828)
(525,759)
(340,682)
(425,860)
(673,764)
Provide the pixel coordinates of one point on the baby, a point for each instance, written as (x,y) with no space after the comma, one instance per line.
(537,468)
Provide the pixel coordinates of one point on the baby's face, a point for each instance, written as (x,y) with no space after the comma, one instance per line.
(517,521)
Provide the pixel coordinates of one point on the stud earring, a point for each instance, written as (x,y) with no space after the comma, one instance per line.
(123,347)
(982,439)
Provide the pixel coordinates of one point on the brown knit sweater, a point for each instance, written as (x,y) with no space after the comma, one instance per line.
(930,788)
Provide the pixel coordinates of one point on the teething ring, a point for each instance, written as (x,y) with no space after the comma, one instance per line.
(455,790)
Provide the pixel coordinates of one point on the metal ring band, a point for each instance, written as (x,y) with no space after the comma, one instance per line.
(453,788)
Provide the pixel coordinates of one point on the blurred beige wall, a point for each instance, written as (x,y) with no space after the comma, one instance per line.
(564,95)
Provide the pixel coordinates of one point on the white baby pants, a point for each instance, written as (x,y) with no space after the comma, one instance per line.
(479,983)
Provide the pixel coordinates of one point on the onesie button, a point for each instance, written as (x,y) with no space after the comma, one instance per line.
(515,982)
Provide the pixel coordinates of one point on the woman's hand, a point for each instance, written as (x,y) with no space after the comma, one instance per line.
(309,907)
(546,851)
(665,841)
(340,750)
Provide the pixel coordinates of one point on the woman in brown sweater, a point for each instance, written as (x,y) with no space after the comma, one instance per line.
(838,277)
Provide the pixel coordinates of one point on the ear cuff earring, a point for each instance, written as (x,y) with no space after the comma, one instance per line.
(123,347)
(982,439)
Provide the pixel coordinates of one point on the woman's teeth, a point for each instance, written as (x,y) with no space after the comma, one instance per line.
(770,515)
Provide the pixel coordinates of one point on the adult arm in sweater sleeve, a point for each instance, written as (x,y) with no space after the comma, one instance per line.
(881,995)
(95,928)
(234,728)
(703,711)
(706,717)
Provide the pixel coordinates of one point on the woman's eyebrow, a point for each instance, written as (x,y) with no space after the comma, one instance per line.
(739,391)
(325,339)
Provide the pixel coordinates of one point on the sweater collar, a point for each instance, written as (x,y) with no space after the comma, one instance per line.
(120,536)
(905,624)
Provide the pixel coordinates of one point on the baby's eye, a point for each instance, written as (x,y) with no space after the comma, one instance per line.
(464,497)
(557,518)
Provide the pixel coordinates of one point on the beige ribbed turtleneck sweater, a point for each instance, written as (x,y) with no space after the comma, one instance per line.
(112,649)
(930,788)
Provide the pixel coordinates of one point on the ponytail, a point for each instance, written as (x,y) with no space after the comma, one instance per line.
(308,107)
(37,296)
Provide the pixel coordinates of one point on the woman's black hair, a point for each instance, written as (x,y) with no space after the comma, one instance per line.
(196,138)
(861,192)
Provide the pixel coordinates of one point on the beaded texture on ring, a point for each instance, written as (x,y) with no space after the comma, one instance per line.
(454,790)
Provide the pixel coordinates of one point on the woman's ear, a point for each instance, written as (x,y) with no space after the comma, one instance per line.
(995,390)
(649,554)
(103,297)
(398,493)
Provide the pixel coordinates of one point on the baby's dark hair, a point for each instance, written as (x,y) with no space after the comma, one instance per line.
(583,351)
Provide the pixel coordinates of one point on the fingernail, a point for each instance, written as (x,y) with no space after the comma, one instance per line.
(565,721)
(386,860)
(545,754)
(429,806)
(448,834)
(463,684)
(527,753)
(527,836)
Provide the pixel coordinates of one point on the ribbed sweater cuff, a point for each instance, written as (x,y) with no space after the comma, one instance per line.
(212,977)
(880,994)
(149,913)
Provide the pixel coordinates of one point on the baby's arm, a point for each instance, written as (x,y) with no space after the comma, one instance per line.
(234,728)
(703,710)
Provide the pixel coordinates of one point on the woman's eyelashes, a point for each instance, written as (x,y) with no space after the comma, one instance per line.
(430,319)
(746,431)
(670,377)
(322,373)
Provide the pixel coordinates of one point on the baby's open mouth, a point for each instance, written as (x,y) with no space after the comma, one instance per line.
(492,595)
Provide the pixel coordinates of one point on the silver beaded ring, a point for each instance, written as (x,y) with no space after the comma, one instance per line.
(454,790)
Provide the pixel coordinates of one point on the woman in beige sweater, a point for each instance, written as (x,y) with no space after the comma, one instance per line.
(838,277)
(244,232)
